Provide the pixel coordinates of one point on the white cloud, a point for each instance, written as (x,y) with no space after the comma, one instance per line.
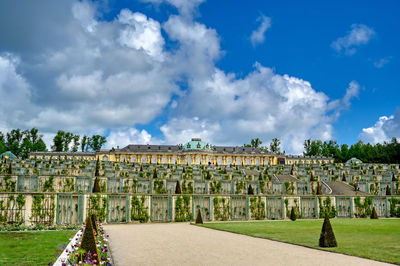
(185,7)
(125,136)
(384,129)
(383,61)
(358,35)
(141,33)
(85,13)
(258,35)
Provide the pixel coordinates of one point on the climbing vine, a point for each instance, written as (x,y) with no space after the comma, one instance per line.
(325,207)
(240,186)
(187,189)
(257,208)
(182,209)
(215,187)
(159,186)
(139,212)
(221,209)
(363,209)
(43,209)
(95,207)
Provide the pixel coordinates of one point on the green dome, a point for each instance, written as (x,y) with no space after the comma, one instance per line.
(196,144)
(8,155)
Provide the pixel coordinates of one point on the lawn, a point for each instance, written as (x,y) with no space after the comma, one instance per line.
(374,239)
(32,248)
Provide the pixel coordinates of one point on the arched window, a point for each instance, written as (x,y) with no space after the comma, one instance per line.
(219,161)
(266,162)
(174,160)
(105,158)
(257,161)
(122,159)
(133,159)
(154,159)
(189,160)
(164,160)
(198,160)
(238,161)
(144,159)
(229,161)
(248,161)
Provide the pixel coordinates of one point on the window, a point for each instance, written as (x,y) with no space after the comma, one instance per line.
(144,160)
(154,159)
(198,160)
(248,161)
(257,161)
(133,159)
(188,160)
(105,158)
(238,161)
(164,159)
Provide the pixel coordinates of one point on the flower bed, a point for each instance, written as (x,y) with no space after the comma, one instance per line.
(74,255)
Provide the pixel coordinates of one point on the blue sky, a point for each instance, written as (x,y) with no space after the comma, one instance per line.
(163,71)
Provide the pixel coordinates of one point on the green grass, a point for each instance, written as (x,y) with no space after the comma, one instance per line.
(32,248)
(373,239)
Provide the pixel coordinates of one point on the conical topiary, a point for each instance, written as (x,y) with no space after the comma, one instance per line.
(88,242)
(199,220)
(178,188)
(10,169)
(260,177)
(97,173)
(327,238)
(155,173)
(344,178)
(374,215)
(393,177)
(96,186)
(293,214)
(94,220)
(250,190)
(388,192)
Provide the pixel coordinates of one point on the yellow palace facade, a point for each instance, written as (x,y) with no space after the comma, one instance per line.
(195,152)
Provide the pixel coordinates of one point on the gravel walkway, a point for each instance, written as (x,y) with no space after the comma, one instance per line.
(185,244)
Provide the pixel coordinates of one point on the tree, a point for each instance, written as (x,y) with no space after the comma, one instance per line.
(178,188)
(374,215)
(275,145)
(199,220)
(75,139)
(293,214)
(84,143)
(255,143)
(250,190)
(96,142)
(388,192)
(58,141)
(327,238)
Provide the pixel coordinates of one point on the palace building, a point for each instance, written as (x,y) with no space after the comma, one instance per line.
(195,152)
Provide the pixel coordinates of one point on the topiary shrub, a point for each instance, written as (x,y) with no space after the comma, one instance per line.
(388,192)
(250,190)
(374,215)
(199,220)
(319,189)
(155,173)
(293,214)
(327,238)
(94,220)
(96,186)
(344,178)
(178,188)
(88,242)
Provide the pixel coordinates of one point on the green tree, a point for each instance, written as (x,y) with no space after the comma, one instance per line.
(75,139)
(58,141)
(84,143)
(96,142)
(255,143)
(275,145)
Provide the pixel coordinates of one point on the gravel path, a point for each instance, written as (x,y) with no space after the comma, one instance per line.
(185,244)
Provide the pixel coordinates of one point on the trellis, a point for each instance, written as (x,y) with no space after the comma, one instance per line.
(114,185)
(275,207)
(226,187)
(381,206)
(302,188)
(118,208)
(144,186)
(344,207)
(277,188)
(239,208)
(171,186)
(83,184)
(69,209)
(43,209)
(10,211)
(203,203)
(200,187)
(161,208)
(309,207)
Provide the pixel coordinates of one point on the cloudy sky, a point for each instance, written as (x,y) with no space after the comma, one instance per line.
(164,71)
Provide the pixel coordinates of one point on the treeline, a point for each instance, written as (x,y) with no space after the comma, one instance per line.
(388,152)
(67,141)
(21,143)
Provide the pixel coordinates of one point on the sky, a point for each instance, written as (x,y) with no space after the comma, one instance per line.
(165,71)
